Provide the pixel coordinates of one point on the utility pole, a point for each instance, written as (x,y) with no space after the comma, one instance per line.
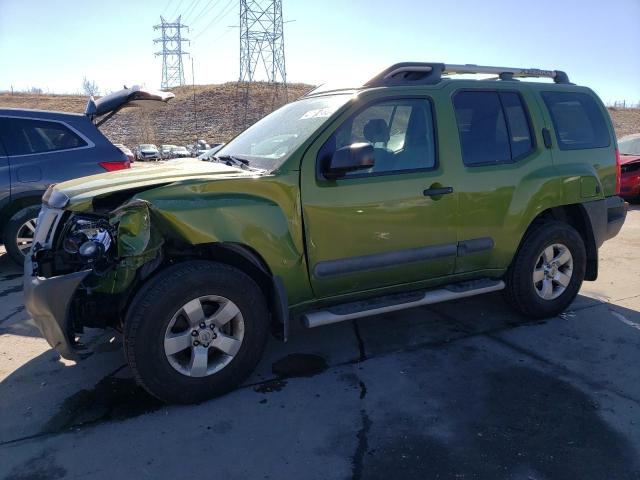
(195,111)
(261,47)
(171,40)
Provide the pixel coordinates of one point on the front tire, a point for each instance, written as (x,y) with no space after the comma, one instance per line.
(547,271)
(195,331)
(19,232)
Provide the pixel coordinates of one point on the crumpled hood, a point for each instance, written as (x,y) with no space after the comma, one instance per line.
(82,189)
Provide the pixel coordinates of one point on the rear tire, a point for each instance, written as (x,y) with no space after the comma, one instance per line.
(20,227)
(160,313)
(547,271)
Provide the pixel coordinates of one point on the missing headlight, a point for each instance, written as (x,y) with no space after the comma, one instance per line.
(90,240)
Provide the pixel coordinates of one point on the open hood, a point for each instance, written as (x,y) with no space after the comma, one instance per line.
(135,96)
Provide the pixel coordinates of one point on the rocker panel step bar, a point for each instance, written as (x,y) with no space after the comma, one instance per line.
(401,301)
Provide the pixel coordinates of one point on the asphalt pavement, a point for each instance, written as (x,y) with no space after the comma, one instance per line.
(464,390)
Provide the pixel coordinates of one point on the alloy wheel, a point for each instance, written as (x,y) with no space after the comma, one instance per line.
(553,271)
(204,336)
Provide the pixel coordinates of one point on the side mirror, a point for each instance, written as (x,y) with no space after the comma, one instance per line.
(357,156)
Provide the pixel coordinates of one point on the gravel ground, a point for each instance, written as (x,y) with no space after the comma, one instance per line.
(460,390)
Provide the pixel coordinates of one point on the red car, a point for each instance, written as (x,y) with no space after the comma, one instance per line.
(629,148)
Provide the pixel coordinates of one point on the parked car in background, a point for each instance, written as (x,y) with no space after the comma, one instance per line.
(165,151)
(39,148)
(629,148)
(146,152)
(211,153)
(180,152)
(199,148)
(355,204)
(126,150)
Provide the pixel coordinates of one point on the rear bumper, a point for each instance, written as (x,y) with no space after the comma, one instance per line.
(607,217)
(47,300)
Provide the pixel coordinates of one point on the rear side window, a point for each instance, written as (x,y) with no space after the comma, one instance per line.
(25,136)
(493,127)
(577,120)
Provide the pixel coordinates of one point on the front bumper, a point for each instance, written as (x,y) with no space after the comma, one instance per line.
(48,300)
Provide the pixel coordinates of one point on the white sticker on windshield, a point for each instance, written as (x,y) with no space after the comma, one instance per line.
(317,113)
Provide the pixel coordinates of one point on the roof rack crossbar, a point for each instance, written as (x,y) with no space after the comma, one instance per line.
(407,73)
(558,76)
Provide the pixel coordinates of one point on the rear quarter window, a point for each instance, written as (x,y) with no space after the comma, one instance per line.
(27,136)
(577,119)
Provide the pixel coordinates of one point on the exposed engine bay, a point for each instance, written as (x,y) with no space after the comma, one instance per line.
(114,249)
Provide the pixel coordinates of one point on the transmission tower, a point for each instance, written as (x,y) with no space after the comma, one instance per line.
(261,46)
(171,40)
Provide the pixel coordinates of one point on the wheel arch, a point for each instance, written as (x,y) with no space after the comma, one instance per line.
(247,260)
(576,216)
(17,202)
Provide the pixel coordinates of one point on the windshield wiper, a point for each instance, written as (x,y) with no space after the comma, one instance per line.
(231,159)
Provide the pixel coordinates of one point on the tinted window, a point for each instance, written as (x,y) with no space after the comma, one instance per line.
(21,136)
(577,120)
(401,132)
(482,128)
(518,123)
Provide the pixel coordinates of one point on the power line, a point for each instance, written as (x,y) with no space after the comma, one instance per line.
(166,7)
(177,9)
(200,15)
(223,13)
(189,9)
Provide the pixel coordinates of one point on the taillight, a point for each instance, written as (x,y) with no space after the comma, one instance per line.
(113,166)
(618,172)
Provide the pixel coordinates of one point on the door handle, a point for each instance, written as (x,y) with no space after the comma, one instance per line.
(434,192)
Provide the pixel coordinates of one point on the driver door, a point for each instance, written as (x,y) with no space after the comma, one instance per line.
(380,227)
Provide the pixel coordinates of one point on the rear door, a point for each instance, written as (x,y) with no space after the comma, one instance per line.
(42,151)
(504,164)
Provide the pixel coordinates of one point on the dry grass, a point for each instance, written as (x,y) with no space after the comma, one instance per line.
(220,114)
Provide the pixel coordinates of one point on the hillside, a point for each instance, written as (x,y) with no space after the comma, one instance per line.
(219,110)
(220,115)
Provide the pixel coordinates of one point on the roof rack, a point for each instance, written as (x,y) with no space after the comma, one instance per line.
(412,73)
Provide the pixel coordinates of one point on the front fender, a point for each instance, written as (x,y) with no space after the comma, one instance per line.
(263,213)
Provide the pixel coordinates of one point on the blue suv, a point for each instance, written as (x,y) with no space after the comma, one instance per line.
(39,148)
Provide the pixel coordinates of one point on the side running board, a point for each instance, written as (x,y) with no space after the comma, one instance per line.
(401,301)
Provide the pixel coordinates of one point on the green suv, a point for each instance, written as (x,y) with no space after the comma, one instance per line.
(419,187)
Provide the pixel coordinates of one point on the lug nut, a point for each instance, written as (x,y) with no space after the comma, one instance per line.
(196,343)
(215,336)
(212,327)
(194,333)
(202,325)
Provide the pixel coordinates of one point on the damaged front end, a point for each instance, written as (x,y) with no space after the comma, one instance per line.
(83,269)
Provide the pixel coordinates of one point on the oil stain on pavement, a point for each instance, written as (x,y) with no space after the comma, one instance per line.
(112,398)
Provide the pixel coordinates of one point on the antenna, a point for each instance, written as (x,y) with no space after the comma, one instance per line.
(171,40)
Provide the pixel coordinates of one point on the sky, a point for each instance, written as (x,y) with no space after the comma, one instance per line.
(54,44)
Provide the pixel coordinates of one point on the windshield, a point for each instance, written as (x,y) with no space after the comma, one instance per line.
(148,146)
(629,145)
(269,142)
